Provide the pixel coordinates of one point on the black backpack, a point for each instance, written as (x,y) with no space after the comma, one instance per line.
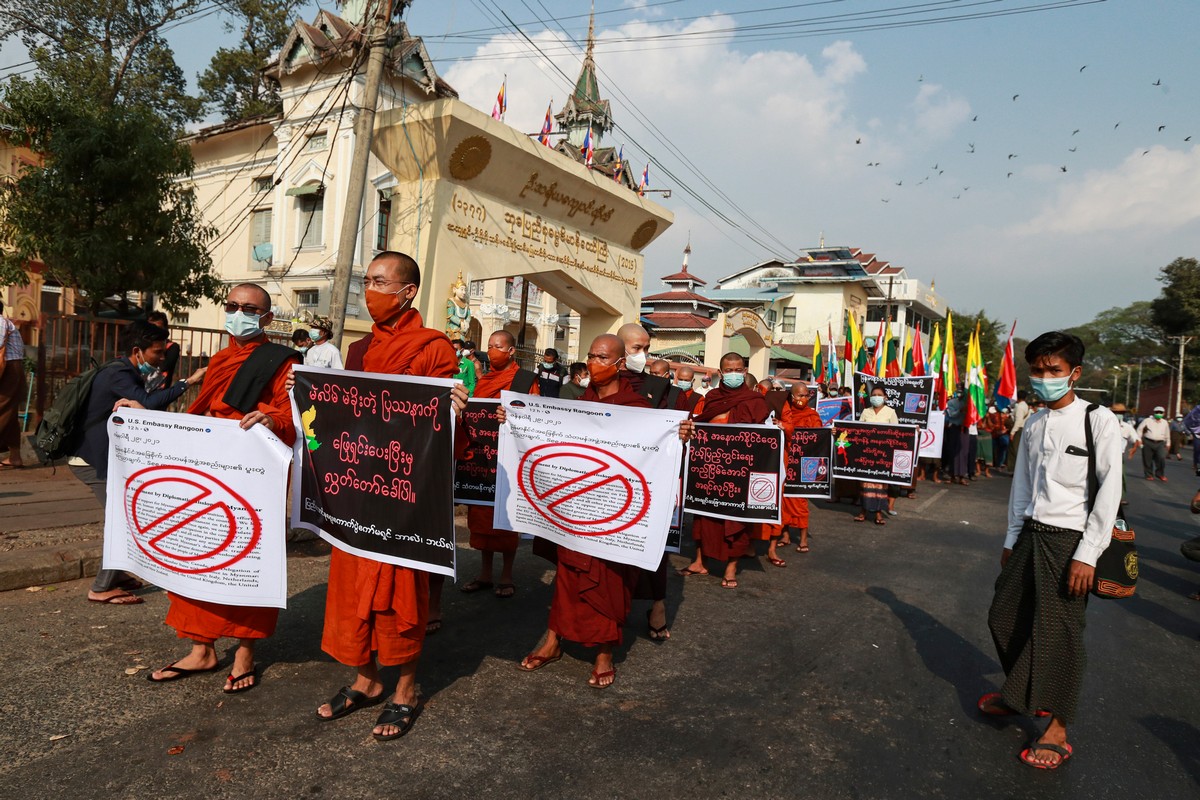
(62,425)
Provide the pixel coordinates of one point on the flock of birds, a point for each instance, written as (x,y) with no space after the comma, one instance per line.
(936,170)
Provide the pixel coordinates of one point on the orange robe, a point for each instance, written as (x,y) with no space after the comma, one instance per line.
(484,536)
(199,620)
(795,509)
(592,596)
(370,605)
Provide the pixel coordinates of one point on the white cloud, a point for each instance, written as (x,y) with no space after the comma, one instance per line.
(937,112)
(1154,193)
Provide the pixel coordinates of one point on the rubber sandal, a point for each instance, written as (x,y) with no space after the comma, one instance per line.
(728,584)
(505,590)
(802,548)
(860,519)
(597,676)
(688,572)
(253,673)
(432,627)
(778,562)
(340,703)
(402,716)
(657,634)
(124,599)
(475,586)
(537,662)
(179,673)
(1064,753)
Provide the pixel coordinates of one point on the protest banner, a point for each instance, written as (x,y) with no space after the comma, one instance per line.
(865,451)
(196,506)
(735,472)
(475,472)
(595,478)
(831,408)
(933,435)
(374,469)
(910,397)
(809,454)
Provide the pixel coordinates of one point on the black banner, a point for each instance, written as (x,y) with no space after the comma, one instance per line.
(864,451)
(911,398)
(374,465)
(475,472)
(809,457)
(735,472)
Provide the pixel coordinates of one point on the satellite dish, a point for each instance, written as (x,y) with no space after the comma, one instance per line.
(263,252)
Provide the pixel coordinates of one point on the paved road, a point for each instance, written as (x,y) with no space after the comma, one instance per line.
(852,673)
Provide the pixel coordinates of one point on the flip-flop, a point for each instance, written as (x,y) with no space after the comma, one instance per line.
(657,634)
(253,673)
(432,627)
(505,590)
(179,672)
(341,703)
(125,599)
(726,583)
(537,662)
(688,572)
(475,586)
(597,676)
(5,465)
(778,562)
(400,715)
(1064,753)
(802,548)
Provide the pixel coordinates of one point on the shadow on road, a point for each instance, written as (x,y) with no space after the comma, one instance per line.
(1160,615)
(1182,737)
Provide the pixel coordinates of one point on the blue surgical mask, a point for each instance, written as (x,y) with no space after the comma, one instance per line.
(1051,389)
(145,368)
(684,384)
(733,380)
(877,401)
(315,333)
(241,325)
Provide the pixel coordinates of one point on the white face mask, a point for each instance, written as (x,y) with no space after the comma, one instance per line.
(584,381)
(636,362)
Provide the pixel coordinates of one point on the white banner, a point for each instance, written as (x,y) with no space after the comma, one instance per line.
(196,506)
(933,435)
(598,479)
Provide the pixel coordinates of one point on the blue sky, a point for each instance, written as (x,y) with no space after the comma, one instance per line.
(773,123)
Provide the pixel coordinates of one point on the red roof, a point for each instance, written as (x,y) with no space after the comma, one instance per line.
(685,276)
(679,296)
(674,321)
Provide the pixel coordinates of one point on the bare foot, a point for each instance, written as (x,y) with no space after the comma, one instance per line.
(547,650)
(115,597)
(656,621)
(196,661)
(243,667)
(368,686)
(603,673)
(403,697)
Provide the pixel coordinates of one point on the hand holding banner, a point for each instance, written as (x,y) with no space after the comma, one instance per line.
(910,397)
(475,472)
(866,451)
(809,458)
(735,472)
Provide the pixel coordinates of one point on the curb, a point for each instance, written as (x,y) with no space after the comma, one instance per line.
(54,564)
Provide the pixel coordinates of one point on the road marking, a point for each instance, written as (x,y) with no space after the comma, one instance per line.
(931,500)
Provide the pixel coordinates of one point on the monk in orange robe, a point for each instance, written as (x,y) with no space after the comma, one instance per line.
(372,609)
(735,404)
(247,314)
(592,596)
(501,349)
(796,414)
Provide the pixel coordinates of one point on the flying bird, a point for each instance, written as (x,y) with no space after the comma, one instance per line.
(872,163)
(1162,128)
(1187,138)
(957,196)
(884,201)
(1157,82)
(899,183)
(1072,149)
(920,78)
(935,166)
(1145,152)
(1009,175)
(1075,131)
(1063,168)
(975,118)
(1116,126)
(971,145)
(1081,69)
(1011,156)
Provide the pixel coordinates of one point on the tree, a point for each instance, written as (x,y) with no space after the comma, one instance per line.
(105,213)
(1177,309)
(233,83)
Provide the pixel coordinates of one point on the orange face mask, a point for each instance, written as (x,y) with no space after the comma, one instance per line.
(602,375)
(383,306)
(499,360)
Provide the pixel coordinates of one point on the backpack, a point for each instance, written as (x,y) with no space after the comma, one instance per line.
(58,433)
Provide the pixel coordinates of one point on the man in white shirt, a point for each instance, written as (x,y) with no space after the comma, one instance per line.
(1055,535)
(323,353)
(1155,432)
(1020,415)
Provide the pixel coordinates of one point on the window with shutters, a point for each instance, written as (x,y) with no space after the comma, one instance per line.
(317,142)
(260,226)
(789,320)
(307,298)
(384,217)
(311,220)
(263,185)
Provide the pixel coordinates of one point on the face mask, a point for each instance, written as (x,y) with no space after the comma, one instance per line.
(383,306)
(241,325)
(733,380)
(499,360)
(602,375)
(584,381)
(547,361)
(636,362)
(799,402)
(1158,416)
(303,349)
(877,401)
(315,334)
(684,384)
(1051,389)
(467,353)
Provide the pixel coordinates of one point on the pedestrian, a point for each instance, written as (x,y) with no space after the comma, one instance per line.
(323,352)
(1057,529)
(956,449)
(999,421)
(1178,437)
(1020,415)
(301,341)
(550,373)
(1155,432)
(874,496)
(796,414)
(983,448)
(467,373)
(170,360)
(12,391)
(1191,424)
(576,384)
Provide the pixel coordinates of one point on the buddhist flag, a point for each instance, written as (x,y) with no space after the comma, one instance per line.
(501,104)
(547,125)
(620,166)
(645,181)
(918,354)
(1006,389)
(588,150)
(818,359)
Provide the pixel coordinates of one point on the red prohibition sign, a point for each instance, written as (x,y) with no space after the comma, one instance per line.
(592,469)
(762,489)
(152,535)
(927,438)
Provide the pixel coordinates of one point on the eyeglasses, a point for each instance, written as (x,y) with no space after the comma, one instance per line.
(245,308)
(378,283)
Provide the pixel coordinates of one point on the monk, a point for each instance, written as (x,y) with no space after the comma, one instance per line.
(730,403)
(501,352)
(374,609)
(796,414)
(659,367)
(685,378)
(247,314)
(592,596)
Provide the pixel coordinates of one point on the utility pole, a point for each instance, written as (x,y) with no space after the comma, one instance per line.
(1183,342)
(1128,377)
(364,128)
(1139,394)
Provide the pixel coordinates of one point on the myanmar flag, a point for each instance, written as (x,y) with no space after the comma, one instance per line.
(976,381)
(818,359)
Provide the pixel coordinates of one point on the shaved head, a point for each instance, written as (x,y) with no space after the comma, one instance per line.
(659,367)
(503,338)
(398,267)
(609,346)
(685,374)
(634,338)
(251,293)
(732,361)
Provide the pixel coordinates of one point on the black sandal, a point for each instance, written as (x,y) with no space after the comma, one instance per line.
(178,673)
(253,673)
(401,716)
(474,586)
(340,703)
(657,634)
